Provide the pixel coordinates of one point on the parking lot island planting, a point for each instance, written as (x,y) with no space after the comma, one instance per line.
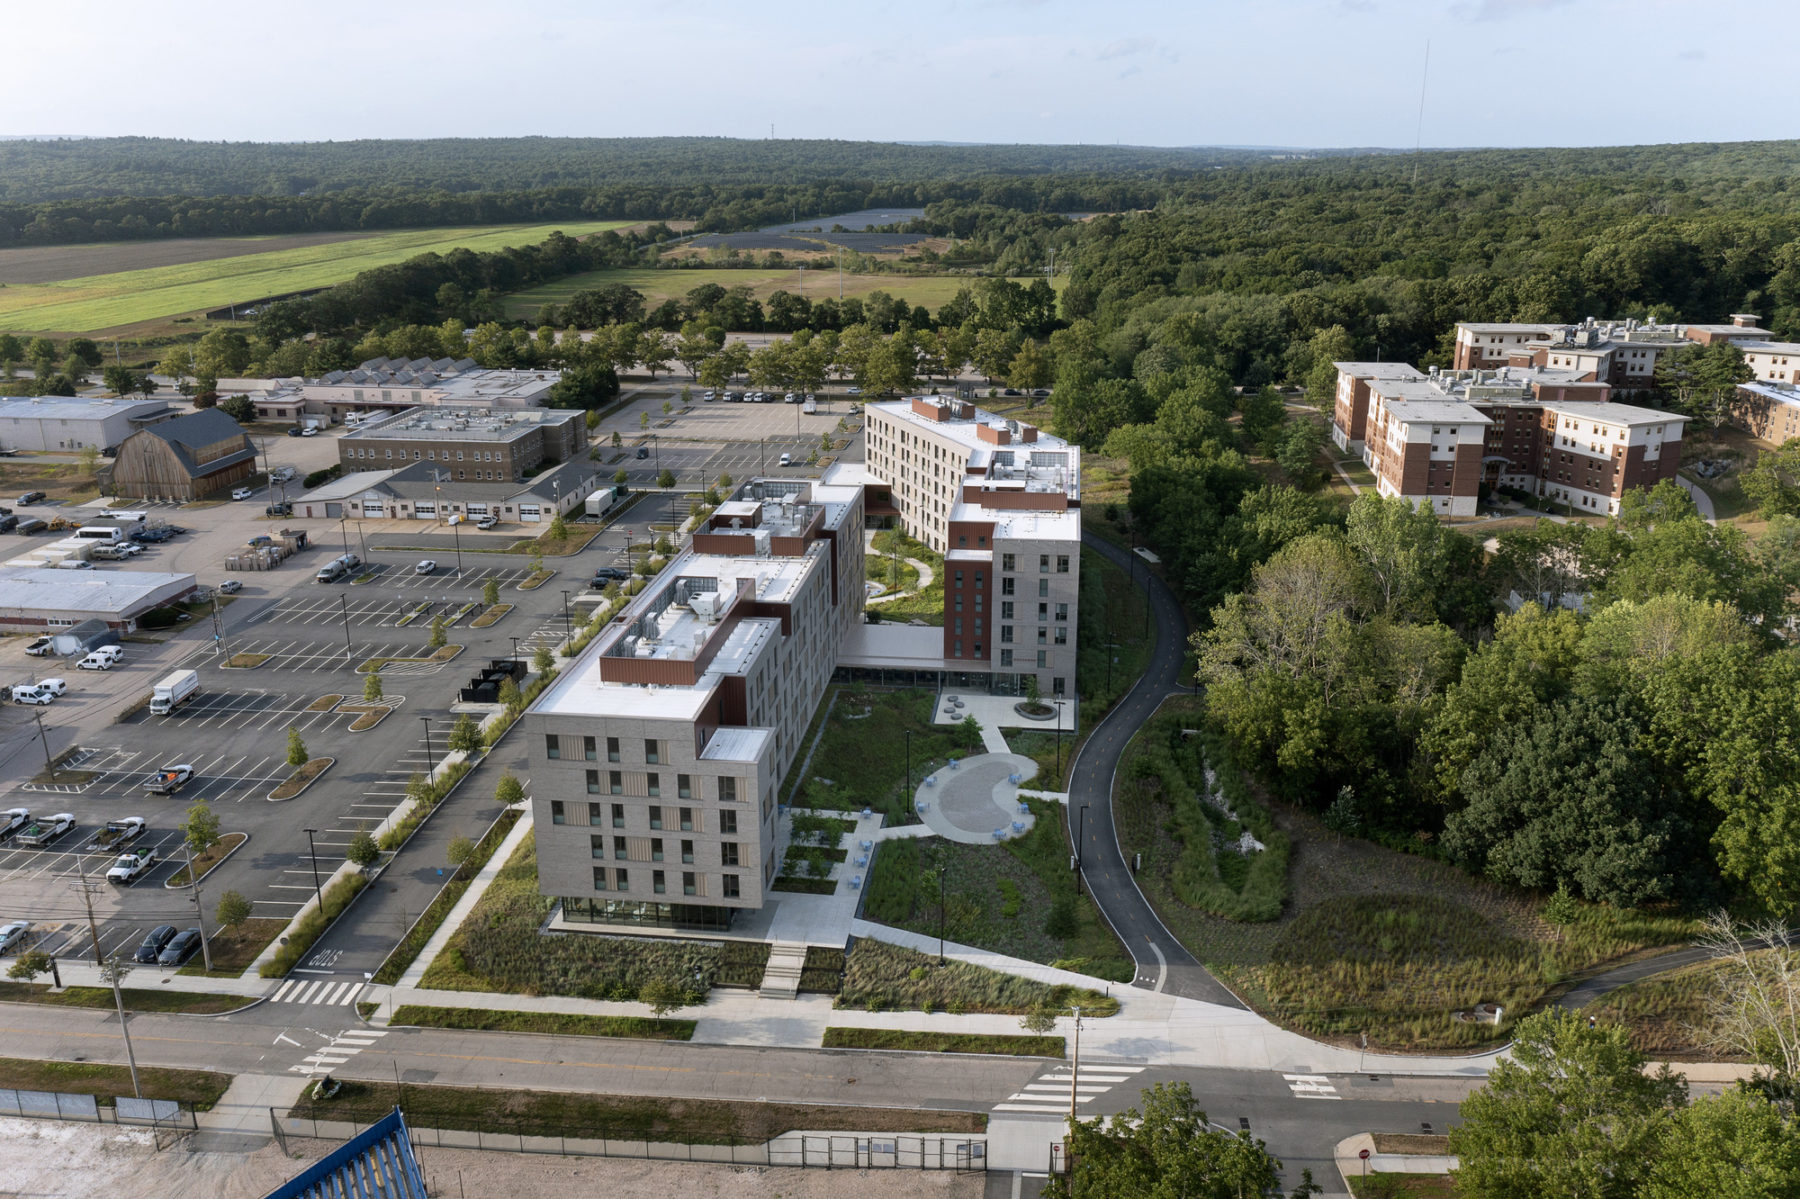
(442,654)
(301,779)
(207,862)
(491,616)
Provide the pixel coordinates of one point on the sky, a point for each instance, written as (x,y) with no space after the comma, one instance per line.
(1146,72)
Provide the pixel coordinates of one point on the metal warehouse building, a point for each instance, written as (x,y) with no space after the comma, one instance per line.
(63,423)
(46,598)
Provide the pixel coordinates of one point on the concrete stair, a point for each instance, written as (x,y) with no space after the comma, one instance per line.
(781,977)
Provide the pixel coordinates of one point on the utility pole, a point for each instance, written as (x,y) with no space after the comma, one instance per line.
(344,602)
(87,897)
(1075,1071)
(113,970)
(45,737)
(199,908)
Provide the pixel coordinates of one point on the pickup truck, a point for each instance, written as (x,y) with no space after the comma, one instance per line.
(169,780)
(40,833)
(12,820)
(131,866)
(118,833)
(41,647)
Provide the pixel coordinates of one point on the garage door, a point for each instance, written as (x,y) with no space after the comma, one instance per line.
(425,508)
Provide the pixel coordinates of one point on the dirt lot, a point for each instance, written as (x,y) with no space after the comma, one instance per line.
(49,264)
(42,1157)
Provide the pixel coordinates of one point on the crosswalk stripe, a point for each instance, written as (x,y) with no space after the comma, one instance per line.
(305,994)
(1050,1110)
(1063,1088)
(283,989)
(350,990)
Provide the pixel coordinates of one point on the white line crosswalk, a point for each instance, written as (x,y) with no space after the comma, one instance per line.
(341,1049)
(1049,1093)
(325,992)
(1311,1086)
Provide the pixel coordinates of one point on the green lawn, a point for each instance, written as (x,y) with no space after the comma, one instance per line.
(879,977)
(927,606)
(933,291)
(998,897)
(98,302)
(558,1023)
(201,1088)
(944,1042)
(862,755)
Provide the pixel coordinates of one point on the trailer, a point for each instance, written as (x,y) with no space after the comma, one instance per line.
(117,833)
(601,502)
(42,833)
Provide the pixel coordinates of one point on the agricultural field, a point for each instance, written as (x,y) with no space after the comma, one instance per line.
(118,300)
(933,291)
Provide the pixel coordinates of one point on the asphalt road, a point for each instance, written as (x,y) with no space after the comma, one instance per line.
(1163,963)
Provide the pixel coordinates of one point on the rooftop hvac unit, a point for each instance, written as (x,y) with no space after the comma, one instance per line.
(628,645)
(760,538)
(699,641)
(706,605)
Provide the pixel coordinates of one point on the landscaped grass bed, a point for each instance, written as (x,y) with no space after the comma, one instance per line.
(560,1023)
(589,1115)
(499,949)
(926,606)
(863,752)
(880,977)
(203,863)
(201,1088)
(943,1042)
(823,972)
(137,999)
(999,897)
(1667,1015)
(302,778)
(233,949)
(1371,940)
(443,653)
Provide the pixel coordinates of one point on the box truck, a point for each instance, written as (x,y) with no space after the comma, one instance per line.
(173,691)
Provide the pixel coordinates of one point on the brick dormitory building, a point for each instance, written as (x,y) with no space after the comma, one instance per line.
(658,754)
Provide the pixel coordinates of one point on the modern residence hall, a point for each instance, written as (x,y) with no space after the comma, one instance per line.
(657,753)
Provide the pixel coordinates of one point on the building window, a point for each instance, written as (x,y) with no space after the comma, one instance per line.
(612,749)
(1062,611)
(728,853)
(687,852)
(1043,588)
(687,883)
(1006,611)
(599,878)
(621,879)
(956,649)
(1007,562)
(650,754)
(1006,636)
(1006,657)
(594,817)
(1062,564)
(687,819)
(588,750)
(1043,658)
(1043,611)
(1062,635)
(728,823)
(556,811)
(552,749)
(657,882)
(593,782)
(731,887)
(655,816)
(1006,585)
(728,791)
(1043,634)
(684,786)
(618,815)
(597,847)
(620,849)
(615,782)
(1043,564)
(656,854)
(655,783)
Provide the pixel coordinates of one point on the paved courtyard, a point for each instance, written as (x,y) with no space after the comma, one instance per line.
(976,801)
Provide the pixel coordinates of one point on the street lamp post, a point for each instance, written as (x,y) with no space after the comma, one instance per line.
(312,849)
(1059,724)
(344,531)
(430,766)
(344,603)
(909,786)
(1080,841)
(456,534)
(568,630)
(940,874)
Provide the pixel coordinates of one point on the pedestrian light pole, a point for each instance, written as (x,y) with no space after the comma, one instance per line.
(313,850)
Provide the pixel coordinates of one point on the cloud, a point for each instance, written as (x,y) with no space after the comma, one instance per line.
(1691,55)
(1503,10)
(1125,48)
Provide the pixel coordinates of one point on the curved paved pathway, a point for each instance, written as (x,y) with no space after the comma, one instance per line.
(1163,963)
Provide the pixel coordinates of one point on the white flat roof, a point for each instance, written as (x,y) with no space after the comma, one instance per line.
(735,745)
(1769,347)
(69,408)
(1615,414)
(86,591)
(1381,370)
(1452,412)
(901,647)
(1769,391)
(1024,522)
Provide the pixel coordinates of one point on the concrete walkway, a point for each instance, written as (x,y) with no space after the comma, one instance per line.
(1702,501)
(976,799)
(84,973)
(239,1121)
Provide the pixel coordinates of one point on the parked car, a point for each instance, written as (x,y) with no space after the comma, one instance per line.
(129,867)
(169,780)
(99,660)
(487,522)
(643,451)
(428,566)
(709,396)
(309,431)
(54,686)
(242,493)
(13,935)
(786,460)
(293,431)
(282,509)
(180,948)
(31,525)
(8,523)
(230,587)
(32,693)
(854,391)
(12,820)
(32,497)
(153,944)
(610,574)
(1040,392)
(40,647)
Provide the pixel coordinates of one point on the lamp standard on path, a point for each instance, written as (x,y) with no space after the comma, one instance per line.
(313,850)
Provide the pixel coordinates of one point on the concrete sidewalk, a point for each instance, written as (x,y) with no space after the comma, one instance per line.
(466,904)
(154,978)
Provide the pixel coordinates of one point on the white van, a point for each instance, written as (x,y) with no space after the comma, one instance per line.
(130,514)
(104,658)
(786,460)
(105,533)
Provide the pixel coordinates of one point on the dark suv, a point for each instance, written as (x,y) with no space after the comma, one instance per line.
(180,949)
(154,941)
(32,497)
